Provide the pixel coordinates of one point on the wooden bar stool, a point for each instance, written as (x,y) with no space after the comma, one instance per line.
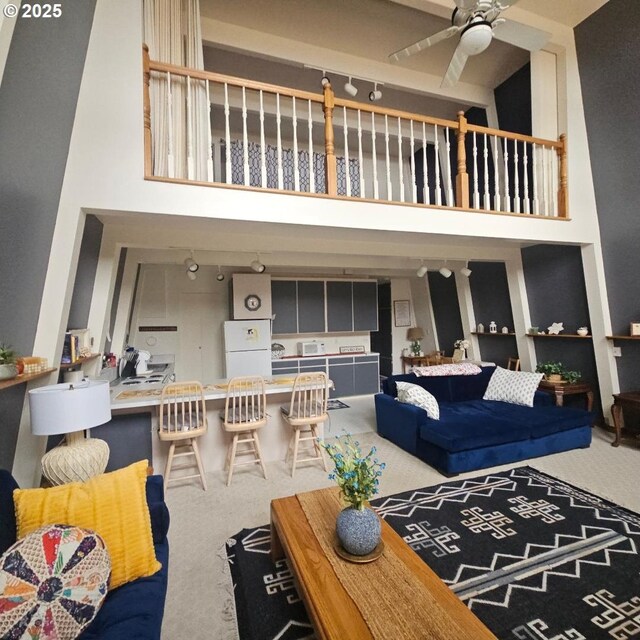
(307,409)
(182,419)
(244,413)
(513,364)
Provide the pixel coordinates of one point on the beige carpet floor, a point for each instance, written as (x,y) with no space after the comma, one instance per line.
(198,602)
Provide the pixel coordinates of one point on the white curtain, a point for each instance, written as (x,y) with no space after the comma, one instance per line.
(181,135)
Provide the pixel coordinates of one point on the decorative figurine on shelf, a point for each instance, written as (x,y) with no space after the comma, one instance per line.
(555,328)
(583,331)
(505,329)
(480,328)
(493,327)
(461,346)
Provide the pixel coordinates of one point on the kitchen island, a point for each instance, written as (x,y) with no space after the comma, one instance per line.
(137,408)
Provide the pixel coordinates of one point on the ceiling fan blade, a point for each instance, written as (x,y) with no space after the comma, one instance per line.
(423,44)
(454,71)
(466,5)
(521,35)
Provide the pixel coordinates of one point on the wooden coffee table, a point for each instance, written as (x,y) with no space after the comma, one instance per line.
(334,609)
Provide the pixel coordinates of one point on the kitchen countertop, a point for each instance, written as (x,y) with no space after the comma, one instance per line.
(326,355)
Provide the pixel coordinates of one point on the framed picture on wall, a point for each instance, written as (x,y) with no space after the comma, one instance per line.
(402,313)
(634,329)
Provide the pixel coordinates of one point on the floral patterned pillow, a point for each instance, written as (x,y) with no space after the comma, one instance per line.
(517,387)
(416,395)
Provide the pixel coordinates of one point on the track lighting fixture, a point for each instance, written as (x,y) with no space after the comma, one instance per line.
(376,94)
(350,89)
(465,271)
(257,266)
(191,265)
(325,80)
(421,271)
(444,271)
(220,276)
(191,275)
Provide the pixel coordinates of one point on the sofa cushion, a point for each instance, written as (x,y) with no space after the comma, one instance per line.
(419,397)
(53,580)
(483,423)
(112,504)
(470,387)
(517,387)
(438,386)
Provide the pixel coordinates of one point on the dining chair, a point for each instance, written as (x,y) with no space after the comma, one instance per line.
(307,409)
(245,412)
(513,364)
(182,419)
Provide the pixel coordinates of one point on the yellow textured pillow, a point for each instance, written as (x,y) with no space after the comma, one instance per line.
(112,504)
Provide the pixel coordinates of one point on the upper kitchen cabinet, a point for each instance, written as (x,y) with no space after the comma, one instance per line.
(365,306)
(339,305)
(284,303)
(311,305)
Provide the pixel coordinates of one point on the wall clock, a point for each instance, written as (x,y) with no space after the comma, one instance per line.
(252,302)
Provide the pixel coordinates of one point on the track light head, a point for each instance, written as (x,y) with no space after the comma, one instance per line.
(465,271)
(325,81)
(191,275)
(257,266)
(350,89)
(191,265)
(444,271)
(374,96)
(421,271)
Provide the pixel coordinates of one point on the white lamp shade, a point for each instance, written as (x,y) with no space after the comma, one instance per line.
(65,408)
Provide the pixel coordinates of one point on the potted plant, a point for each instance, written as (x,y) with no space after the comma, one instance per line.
(8,366)
(358,526)
(556,372)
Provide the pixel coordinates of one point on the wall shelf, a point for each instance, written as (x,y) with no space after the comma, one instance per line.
(23,379)
(623,337)
(78,362)
(488,333)
(559,335)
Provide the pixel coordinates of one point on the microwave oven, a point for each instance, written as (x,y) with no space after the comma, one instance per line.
(311,348)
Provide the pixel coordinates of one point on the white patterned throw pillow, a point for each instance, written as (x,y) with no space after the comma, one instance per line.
(416,395)
(517,387)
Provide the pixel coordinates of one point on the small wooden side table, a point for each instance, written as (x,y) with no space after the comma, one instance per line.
(559,390)
(413,361)
(630,399)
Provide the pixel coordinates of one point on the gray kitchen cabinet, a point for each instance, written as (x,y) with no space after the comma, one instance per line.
(339,306)
(284,305)
(342,376)
(311,306)
(366,375)
(365,306)
(312,364)
(282,367)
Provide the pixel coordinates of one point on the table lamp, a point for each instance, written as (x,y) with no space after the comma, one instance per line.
(415,334)
(70,409)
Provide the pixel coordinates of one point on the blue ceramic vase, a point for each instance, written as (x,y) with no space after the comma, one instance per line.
(358,530)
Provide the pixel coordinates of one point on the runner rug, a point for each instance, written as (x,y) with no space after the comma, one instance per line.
(533,557)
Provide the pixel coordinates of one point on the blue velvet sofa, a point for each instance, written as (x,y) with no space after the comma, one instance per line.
(473,433)
(134,610)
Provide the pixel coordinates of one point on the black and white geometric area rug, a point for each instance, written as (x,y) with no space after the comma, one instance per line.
(533,557)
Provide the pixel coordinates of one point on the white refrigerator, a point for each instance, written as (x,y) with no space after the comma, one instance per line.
(247,348)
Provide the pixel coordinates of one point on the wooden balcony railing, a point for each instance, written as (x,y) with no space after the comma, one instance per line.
(256,135)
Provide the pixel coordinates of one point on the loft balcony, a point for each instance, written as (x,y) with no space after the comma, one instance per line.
(212,129)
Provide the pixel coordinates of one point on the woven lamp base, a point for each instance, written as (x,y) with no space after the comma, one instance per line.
(76,461)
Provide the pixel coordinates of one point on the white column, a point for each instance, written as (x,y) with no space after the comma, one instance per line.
(125,301)
(467,315)
(544,95)
(520,311)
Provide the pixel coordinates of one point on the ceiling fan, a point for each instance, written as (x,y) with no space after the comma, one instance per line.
(477,21)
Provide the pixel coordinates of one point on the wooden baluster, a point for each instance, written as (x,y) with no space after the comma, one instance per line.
(476,192)
(331,171)
(487,195)
(516,185)
(263,150)
(400,168)
(360,157)
(536,179)
(279,143)
(191,170)
(146,102)
(209,141)
(227,135)
(345,134)
(414,188)
(462,177)
(437,149)
(312,175)
(505,157)
(171,166)
(527,202)
(374,154)
(450,199)
(496,176)
(245,140)
(387,158)
(563,192)
(425,172)
(296,167)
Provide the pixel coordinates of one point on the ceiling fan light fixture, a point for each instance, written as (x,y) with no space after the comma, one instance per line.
(476,37)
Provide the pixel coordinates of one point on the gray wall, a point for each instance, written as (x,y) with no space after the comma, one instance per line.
(608,53)
(85,274)
(37,107)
